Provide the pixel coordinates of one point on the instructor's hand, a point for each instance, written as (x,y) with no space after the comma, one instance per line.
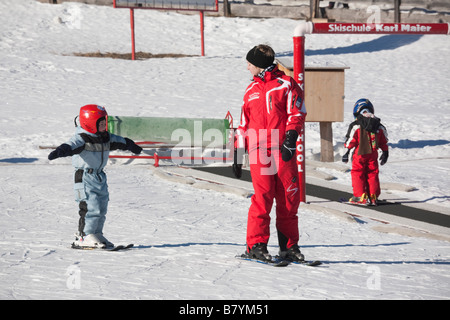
(288,149)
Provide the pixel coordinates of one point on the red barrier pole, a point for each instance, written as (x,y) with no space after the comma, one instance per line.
(133,53)
(156,159)
(202,31)
(299,72)
(299,77)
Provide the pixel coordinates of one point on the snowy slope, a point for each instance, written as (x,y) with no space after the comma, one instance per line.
(186,238)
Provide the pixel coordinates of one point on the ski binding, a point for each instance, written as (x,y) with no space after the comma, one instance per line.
(273,262)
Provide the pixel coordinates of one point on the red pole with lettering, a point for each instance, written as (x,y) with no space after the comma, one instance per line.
(299,76)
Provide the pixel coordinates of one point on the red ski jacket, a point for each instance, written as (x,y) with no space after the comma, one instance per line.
(272,106)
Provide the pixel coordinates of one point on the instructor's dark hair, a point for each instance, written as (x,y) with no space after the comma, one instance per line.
(261,56)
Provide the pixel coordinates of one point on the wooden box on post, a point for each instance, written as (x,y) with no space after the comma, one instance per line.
(324,99)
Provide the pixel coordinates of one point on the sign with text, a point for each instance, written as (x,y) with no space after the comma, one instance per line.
(382,28)
(191,5)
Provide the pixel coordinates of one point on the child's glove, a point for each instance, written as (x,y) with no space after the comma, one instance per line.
(289,145)
(384,157)
(63,150)
(345,156)
(133,147)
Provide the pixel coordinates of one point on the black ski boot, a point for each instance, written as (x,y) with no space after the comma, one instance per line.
(292,254)
(259,251)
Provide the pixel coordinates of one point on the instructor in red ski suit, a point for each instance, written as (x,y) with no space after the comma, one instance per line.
(273,114)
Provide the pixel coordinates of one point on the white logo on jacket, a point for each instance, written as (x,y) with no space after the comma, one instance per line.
(253,96)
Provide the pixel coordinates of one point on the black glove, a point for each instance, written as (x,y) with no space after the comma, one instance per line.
(384,157)
(345,156)
(288,149)
(133,147)
(63,150)
(237,167)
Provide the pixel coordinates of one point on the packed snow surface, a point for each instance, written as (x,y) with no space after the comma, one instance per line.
(186,238)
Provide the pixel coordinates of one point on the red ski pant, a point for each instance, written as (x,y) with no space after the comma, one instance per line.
(365,173)
(274,180)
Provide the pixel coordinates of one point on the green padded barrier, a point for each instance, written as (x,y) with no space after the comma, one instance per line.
(179,131)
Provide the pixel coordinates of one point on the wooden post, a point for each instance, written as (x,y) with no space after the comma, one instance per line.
(226,8)
(326,142)
(397,4)
(314,9)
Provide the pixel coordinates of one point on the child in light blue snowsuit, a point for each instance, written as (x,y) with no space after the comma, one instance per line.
(89,148)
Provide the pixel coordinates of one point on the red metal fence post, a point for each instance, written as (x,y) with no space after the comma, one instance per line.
(133,51)
(202,32)
(187,5)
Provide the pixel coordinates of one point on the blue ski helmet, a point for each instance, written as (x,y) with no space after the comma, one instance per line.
(362,104)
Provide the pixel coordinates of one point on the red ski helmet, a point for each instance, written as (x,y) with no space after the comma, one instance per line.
(89,115)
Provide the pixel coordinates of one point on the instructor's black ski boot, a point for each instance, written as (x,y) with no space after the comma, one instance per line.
(292,254)
(259,251)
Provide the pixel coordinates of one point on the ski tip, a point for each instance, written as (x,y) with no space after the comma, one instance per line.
(282,263)
(309,263)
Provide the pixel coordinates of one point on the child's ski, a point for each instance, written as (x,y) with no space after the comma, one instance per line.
(120,247)
(115,248)
(369,204)
(343,200)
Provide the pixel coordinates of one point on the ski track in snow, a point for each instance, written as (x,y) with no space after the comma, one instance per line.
(185,238)
(185,246)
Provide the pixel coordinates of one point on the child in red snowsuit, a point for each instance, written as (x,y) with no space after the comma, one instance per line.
(272,116)
(366,134)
